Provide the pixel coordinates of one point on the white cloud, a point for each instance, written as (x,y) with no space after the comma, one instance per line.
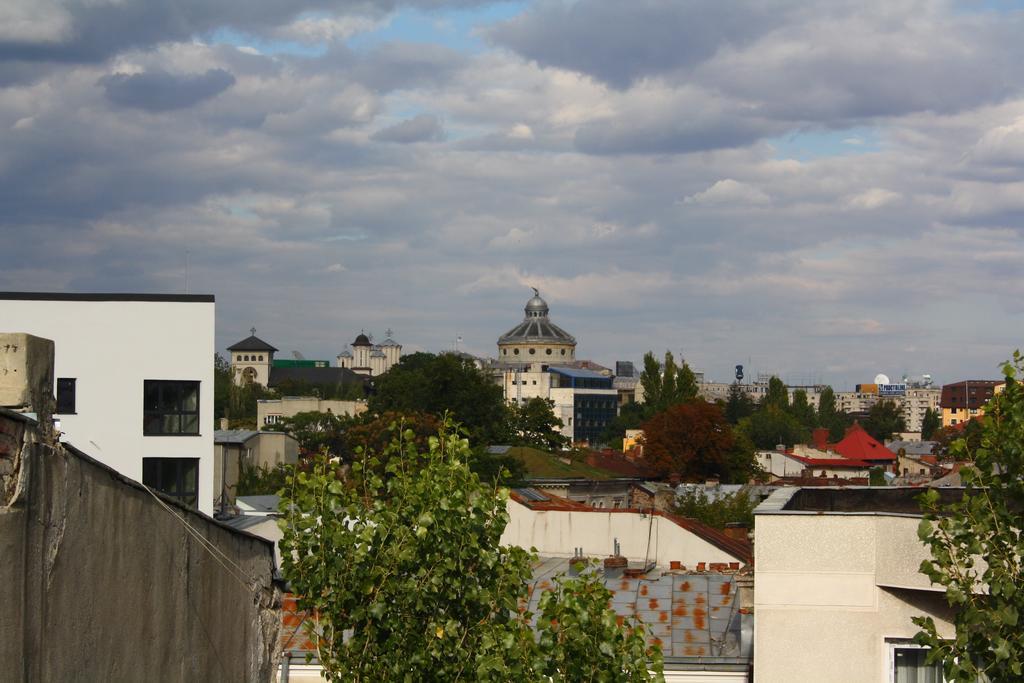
(729,192)
(874,198)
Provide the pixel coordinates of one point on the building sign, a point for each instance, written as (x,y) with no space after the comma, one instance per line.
(892,389)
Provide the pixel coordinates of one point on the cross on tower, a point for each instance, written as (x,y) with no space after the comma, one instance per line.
(252,330)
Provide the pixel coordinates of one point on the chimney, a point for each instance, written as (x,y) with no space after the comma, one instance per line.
(223,423)
(26,376)
(615,565)
(737,530)
(820,438)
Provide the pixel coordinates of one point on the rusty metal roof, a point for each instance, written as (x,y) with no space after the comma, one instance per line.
(687,613)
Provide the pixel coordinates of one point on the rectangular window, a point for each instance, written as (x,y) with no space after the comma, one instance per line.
(176,477)
(907,664)
(66,395)
(170,407)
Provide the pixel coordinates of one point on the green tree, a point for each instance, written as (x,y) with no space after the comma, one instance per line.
(803,411)
(315,431)
(777,395)
(738,405)
(930,424)
(440,384)
(884,419)
(830,417)
(771,426)
(259,480)
(666,385)
(406,575)
(732,508)
(534,424)
(976,547)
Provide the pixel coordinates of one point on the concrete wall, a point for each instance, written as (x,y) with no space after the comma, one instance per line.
(111,347)
(100,582)
(556,533)
(832,589)
(270,411)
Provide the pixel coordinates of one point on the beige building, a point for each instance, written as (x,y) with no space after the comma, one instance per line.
(913,401)
(234,449)
(251,360)
(836,584)
(272,411)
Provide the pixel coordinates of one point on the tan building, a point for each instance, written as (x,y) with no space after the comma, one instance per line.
(272,411)
(912,401)
(836,584)
(234,449)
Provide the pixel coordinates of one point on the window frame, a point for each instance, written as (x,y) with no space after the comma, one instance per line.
(183,495)
(893,644)
(61,396)
(148,414)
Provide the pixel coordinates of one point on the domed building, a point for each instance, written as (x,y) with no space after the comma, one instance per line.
(367,358)
(537,339)
(537,359)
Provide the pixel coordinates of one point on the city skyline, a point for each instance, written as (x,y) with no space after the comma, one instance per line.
(830,191)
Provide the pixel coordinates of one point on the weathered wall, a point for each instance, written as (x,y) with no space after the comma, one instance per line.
(112,586)
(557,533)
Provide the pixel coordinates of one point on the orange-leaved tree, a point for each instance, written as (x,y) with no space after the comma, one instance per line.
(692,439)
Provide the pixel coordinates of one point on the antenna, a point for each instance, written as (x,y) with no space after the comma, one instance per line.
(186,271)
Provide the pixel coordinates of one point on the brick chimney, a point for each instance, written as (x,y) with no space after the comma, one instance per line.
(820,438)
(26,376)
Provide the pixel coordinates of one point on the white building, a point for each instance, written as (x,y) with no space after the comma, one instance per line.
(134,381)
(537,358)
(367,358)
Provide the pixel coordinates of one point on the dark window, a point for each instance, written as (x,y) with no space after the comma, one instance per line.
(170,407)
(66,395)
(176,477)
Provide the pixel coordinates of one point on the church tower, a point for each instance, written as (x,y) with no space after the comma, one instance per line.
(251,360)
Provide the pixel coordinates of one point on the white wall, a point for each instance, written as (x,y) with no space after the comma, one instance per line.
(110,347)
(556,533)
(822,611)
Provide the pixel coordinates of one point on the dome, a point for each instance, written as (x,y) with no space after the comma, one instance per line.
(536,307)
(361,340)
(536,327)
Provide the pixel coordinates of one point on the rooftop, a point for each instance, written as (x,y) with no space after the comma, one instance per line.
(252,343)
(537,327)
(106,296)
(851,500)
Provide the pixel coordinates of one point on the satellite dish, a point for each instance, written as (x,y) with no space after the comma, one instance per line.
(881,379)
(298,356)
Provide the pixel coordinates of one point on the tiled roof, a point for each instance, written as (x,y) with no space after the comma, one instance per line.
(252,343)
(859,445)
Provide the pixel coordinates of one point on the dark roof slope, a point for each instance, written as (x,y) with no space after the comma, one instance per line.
(105,296)
(331,376)
(252,343)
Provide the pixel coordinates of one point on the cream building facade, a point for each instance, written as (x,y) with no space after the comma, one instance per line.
(836,585)
(273,410)
(367,358)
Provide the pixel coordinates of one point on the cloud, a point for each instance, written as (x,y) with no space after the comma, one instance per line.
(160,91)
(421,128)
(872,199)
(1001,145)
(728,192)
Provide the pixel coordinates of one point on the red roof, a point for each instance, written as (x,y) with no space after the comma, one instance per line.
(859,445)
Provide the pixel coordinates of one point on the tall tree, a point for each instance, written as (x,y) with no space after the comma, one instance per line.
(830,416)
(884,419)
(408,575)
(738,405)
(777,395)
(930,424)
(667,384)
(985,525)
(803,411)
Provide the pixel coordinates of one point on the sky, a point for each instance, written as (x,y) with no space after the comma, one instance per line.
(820,191)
